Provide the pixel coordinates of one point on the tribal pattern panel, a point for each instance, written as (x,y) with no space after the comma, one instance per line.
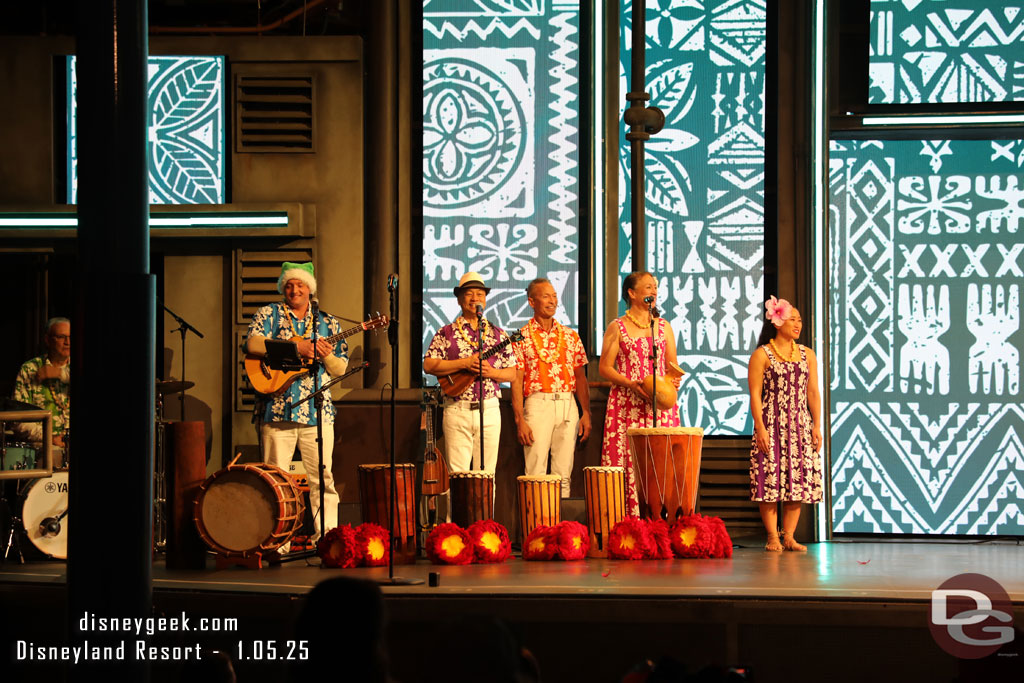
(186,130)
(927,265)
(500,154)
(950,51)
(704,190)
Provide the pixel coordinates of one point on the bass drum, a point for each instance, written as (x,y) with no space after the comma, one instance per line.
(46,500)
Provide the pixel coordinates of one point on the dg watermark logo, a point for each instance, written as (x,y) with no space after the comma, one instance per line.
(971,616)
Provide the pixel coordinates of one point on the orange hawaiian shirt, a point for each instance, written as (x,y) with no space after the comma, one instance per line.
(549,359)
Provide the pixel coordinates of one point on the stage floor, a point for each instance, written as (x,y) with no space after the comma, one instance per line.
(846,570)
(851,610)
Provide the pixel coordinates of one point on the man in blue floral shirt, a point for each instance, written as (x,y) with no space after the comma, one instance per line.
(282,428)
(453,349)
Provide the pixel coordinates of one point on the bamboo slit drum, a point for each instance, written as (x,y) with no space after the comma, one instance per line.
(472,496)
(666,464)
(375,501)
(248,510)
(605,489)
(540,501)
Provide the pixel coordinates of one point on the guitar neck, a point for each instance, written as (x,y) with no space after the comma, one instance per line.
(342,335)
(497,347)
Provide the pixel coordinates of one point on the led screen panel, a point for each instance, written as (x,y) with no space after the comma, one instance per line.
(926,271)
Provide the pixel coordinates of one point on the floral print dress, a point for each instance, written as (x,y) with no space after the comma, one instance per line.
(792,471)
(628,409)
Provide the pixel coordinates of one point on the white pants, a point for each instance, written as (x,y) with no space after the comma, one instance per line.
(553,419)
(279,440)
(462,435)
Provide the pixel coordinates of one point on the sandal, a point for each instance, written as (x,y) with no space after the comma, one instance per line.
(773,545)
(789,543)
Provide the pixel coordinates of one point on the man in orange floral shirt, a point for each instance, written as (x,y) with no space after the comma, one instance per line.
(551,368)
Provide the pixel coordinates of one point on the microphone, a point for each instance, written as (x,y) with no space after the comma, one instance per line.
(648,299)
(479,311)
(392,282)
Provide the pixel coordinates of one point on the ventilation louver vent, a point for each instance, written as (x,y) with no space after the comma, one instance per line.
(256,274)
(274,114)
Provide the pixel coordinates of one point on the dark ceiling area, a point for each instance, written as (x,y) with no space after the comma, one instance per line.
(200,17)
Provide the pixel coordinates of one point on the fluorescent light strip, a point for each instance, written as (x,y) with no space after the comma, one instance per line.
(933,120)
(155,222)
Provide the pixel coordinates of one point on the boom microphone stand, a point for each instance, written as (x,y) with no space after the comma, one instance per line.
(318,397)
(184,328)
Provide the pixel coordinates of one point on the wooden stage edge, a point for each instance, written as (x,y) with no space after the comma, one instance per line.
(846,610)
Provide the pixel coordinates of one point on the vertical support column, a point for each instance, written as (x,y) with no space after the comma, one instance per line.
(113,350)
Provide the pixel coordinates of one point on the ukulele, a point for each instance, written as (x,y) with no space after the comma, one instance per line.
(266,380)
(454,384)
(435,469)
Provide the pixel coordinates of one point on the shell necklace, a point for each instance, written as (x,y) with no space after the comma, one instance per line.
(794,352)
(636,322)
(481,332)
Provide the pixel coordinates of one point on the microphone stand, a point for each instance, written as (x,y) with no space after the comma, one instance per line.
(318,397)
(184,328)
(654,366)
(480,375)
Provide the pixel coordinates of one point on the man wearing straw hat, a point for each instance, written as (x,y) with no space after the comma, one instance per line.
(550,378)
(453,349)
(281,428)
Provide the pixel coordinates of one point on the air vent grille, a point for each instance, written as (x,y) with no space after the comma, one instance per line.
(274,113)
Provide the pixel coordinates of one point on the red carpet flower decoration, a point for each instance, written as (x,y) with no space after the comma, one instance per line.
(691,536)
(629,540)
(723,543)
(491,543)
(541,544)
(449,544)
(373,542)
(339,548)
(573,540)
(661,546)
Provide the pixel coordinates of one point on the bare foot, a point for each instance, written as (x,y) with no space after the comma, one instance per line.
(789,543)
(773,545)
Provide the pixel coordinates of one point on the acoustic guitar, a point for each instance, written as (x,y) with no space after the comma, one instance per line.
(454,384)
(266,380)
(435,469)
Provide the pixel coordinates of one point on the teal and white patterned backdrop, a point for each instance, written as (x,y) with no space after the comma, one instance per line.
(931,51)
(704,194)
(501,102)
(186,130)
(927,267)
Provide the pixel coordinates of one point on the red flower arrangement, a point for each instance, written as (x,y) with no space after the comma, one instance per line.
(629,540)
(723,543)
(449,544)
(373,541)
(541,544)
(339,548)
(573,540)
(661,546)
(692,536)
(491,543)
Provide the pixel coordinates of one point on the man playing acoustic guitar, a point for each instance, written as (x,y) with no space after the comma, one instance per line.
(281,429)
(453,350)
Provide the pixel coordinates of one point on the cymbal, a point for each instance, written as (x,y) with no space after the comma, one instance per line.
(173,387)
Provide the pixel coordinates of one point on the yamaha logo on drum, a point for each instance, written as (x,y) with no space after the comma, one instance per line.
(56,487)
(50,487)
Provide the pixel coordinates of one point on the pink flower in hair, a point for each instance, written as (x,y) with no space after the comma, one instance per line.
(777,310)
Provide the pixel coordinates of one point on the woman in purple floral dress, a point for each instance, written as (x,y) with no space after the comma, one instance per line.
(786,405)
(625,361)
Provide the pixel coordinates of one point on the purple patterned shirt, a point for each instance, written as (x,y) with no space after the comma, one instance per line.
(459,340)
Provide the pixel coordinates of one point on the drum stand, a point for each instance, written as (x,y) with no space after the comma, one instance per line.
(15,533)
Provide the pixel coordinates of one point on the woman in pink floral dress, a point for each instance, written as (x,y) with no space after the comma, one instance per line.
(625,361)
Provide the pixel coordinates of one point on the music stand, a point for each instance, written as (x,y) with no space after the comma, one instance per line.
(282,355)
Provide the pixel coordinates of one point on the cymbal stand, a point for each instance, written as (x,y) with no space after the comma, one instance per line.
(183,328)
(17,529)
